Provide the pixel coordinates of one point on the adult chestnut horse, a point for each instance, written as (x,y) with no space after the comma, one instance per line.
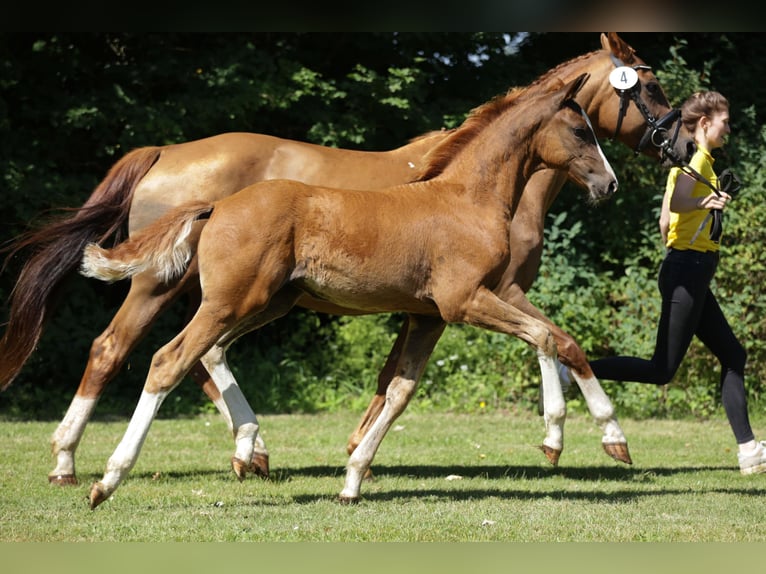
(149,181)
(435,249)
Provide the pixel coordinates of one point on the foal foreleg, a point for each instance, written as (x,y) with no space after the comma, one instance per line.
(488,311)
(573,357)
(423,334)
(601,409)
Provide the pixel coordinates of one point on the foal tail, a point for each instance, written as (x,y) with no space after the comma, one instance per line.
(56,251)
(166,246)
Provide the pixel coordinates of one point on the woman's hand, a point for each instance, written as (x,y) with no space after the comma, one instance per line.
(713,201)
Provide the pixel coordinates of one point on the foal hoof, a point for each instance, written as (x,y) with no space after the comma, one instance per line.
(62,479)
(618,451)
(259,465)
(552,454)
(348,500)
(98,494)
(240,468)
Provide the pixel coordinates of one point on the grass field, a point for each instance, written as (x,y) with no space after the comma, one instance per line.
(438,478)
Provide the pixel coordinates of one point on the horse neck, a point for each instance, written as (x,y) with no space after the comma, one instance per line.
(596,93)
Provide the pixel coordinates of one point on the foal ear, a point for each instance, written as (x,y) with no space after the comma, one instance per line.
(617,46)
(573,88)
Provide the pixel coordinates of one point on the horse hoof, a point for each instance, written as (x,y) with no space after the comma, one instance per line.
(348,500)
(552,454)
(98,494)
(618,451)
(239,467)
(62,479)
(259,466)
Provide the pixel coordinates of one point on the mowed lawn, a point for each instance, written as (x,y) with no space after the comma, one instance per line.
(437,478)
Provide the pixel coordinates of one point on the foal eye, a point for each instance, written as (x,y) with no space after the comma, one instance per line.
(582,133)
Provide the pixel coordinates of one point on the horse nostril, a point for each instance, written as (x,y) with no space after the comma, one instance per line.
(613,188)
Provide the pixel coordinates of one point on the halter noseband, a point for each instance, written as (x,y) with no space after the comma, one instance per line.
(656,130)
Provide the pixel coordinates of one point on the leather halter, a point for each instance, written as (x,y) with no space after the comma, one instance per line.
(657,129)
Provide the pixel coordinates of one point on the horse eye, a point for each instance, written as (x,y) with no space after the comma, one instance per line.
(653,89)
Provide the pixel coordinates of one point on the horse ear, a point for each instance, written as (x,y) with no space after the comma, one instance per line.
(617,46)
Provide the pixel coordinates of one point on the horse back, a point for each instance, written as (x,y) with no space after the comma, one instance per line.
(213,168)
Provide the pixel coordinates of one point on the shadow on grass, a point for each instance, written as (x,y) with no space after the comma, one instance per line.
(632,482)
(541,472)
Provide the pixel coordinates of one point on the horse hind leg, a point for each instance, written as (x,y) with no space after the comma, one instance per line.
(424,333)
(379,398)
(108,353)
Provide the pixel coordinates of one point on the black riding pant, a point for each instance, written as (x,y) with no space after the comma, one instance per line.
(689,308)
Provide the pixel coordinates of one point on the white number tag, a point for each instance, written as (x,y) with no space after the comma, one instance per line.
(623,78)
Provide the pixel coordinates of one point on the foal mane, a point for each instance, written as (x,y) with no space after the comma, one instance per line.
(478,119)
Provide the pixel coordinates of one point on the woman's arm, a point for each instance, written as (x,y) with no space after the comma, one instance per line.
(682,200)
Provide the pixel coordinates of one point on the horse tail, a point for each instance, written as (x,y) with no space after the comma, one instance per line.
(56,251)
(166,246)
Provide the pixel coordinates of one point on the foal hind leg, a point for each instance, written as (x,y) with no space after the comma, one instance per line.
(168,367)
(211,330)
(422,336)
(203,376)
(144,302)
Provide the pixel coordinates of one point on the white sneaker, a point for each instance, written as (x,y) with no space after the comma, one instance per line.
(755,462)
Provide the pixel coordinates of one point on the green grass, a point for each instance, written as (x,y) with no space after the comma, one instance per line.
(684,484)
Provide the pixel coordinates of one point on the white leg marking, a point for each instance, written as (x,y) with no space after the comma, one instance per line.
(554,405)
(67,435)
(600,408)
(243,423)
(126,453)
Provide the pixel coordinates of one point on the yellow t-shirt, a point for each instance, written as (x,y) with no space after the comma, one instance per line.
(683,226)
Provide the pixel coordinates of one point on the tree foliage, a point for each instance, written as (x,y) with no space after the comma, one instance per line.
(72,104)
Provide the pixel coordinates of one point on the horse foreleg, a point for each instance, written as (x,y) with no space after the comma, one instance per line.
(108,353)
(422,336)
